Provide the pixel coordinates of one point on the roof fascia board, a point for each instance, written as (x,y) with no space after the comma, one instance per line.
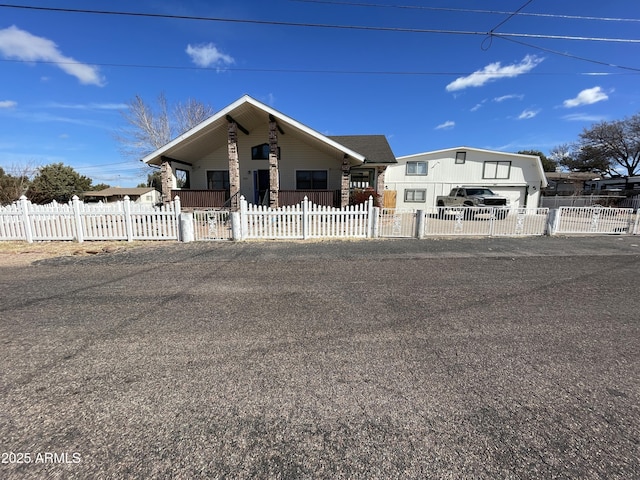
(252,101)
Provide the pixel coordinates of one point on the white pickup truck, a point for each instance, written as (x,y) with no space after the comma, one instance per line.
(464,197)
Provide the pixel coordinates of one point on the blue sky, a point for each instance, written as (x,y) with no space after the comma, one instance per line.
(65,77)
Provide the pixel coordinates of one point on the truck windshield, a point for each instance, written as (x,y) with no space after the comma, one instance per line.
(479,191)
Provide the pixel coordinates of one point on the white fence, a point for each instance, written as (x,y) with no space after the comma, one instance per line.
(305,220)
(485,221)
(595,220)
(128,221)
(558,201)
(79,221)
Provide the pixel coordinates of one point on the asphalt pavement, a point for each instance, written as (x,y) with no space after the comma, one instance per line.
(451,358)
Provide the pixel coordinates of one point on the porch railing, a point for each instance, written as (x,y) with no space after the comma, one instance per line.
(201,198)
(330,198)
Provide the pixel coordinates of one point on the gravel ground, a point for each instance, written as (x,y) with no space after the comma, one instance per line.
(461,358)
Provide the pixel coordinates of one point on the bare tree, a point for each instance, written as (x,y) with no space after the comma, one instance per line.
(190,114)
(15,182)
(147,128)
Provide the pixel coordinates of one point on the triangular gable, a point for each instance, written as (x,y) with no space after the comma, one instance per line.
(219,119)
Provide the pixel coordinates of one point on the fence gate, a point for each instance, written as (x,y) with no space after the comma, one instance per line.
(212,225)
(395,222)
(592,220)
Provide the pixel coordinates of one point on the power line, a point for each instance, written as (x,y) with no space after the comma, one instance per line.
(316,25)
(317,71)
(510,17)
(470,10)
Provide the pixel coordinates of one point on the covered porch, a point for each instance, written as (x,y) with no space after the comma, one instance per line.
(249,149)
(221,199)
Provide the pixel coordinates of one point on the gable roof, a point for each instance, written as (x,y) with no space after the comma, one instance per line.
(375,148)
(533,158)
(116,191)
(248,112)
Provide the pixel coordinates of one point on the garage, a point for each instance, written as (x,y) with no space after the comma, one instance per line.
(516,195)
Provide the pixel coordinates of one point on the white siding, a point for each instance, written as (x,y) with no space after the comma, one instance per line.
(510,174)
(295,154)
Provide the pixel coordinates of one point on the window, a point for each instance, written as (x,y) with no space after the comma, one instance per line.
(182,178)
(415,195)
(461,157)
(496,170)
(416,168)
(311,180)
(261,152)
(362,178)
(218,179)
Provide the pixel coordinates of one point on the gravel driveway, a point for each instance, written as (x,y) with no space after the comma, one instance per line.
(465,358)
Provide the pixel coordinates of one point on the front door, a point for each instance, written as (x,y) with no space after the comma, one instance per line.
(261,187)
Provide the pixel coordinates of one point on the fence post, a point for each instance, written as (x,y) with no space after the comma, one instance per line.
(76,213)
(420,217)
(305,218)
(553,221)
(370,217)
(236,226)
(24,206)
(244,218)
(375,224)
(185,232)
(128,223)
(177,211)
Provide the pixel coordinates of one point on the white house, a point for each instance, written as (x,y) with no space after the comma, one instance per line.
(143,196)
(416,180)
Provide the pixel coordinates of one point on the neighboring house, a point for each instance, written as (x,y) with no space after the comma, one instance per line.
(144,196)
(250,149)
(568,183)
(416,180)
(604,186)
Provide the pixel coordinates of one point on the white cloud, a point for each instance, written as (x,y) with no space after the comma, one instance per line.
(583,117)
(208,55)
(89,106)
(446,125)
(22,45)
(494,71)
(527,114)
(508,97)
(586,97)
(8,104)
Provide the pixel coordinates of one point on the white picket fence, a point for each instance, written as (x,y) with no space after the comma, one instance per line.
(128,221)
(81,221)
(305,220)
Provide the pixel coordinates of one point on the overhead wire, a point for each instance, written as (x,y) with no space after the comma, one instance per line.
(489,35)
(312,25)
(317,71)
(471,10)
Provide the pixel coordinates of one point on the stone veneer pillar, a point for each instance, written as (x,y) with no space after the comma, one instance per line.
(345,184)
(234,165)
(274,177)
(380,184)
(166,174)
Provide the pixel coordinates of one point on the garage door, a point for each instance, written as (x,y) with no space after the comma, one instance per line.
(516,195)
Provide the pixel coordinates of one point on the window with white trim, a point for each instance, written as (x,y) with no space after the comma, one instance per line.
(496,170)
(415,195)
(416,168)
(311,179)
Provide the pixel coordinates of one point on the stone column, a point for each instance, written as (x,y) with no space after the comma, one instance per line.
(274,177)
(167,180)
(234,165)
(380,184)
(345,184)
